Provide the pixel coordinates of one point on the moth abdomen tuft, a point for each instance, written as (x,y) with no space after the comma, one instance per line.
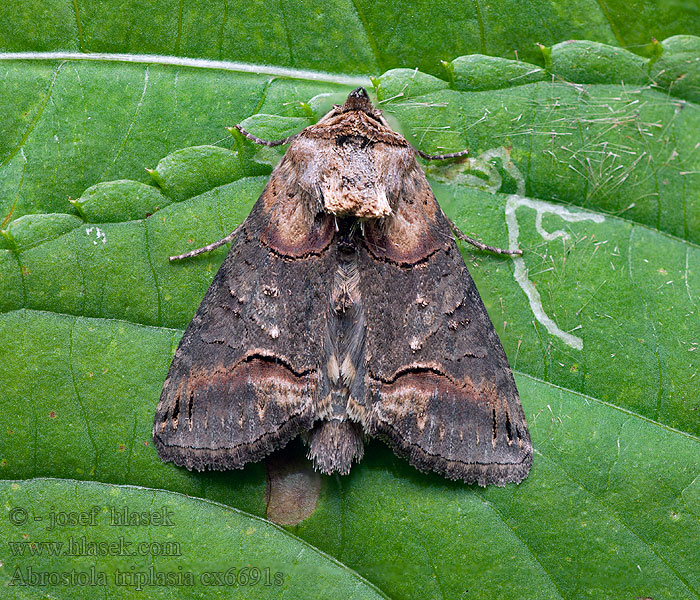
(334,445)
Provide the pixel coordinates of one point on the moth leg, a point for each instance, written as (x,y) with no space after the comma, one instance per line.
(262,142)
(207,248)
(427,156)
(465,238)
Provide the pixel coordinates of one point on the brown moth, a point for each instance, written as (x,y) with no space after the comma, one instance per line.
(344,309)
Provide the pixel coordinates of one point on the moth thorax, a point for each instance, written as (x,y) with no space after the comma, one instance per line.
(352,181)
(347,197)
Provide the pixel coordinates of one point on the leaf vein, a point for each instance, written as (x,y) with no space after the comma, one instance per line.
(627,526)
(153,271)
(522,541)
(131,126)
(650,320)
(77,393)
(39,113)
(78,24)
(370,38)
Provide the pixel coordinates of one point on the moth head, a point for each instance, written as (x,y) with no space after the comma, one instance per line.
(358,99)
(358,102)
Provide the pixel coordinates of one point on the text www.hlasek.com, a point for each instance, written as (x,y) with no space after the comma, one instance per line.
(134,576)
(81,546)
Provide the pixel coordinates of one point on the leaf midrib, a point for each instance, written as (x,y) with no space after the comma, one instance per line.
(197,63)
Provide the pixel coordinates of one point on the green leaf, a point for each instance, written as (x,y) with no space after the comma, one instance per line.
(592,62)
(677,67)
(593,170)
(32,230)
(478,72)
(188,172)
(361,36)
(72,539)
(113,201)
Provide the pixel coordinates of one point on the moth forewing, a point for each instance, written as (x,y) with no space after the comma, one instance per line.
(344,309)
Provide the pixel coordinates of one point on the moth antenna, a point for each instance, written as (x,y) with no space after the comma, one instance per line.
(465,238)
(207,248)
(427,156)
(262,142)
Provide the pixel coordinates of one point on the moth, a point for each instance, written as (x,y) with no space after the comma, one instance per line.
(344,309)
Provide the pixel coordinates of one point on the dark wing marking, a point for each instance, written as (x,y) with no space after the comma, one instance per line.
(246,376)
(439,388)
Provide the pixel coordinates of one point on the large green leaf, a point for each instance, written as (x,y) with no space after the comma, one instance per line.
(351,36)
(72,539)
(588,161)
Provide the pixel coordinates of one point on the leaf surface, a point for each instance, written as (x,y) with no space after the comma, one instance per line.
(595,175)
(73,539)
